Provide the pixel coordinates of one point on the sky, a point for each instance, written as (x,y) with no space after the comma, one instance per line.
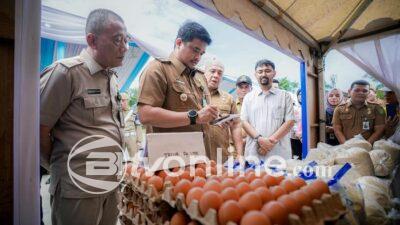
(157,22)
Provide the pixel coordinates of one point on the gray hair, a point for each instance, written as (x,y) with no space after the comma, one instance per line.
(98,19)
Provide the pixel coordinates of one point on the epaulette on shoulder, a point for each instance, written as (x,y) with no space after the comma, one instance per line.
(163,60)
(71,62)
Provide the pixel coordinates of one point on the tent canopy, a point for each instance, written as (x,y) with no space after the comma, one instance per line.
(306,29)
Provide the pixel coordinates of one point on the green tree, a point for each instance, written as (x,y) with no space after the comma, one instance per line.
(288,85)
(331,84)
(133,97)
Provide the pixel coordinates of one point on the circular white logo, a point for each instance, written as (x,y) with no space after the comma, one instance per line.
(95,164)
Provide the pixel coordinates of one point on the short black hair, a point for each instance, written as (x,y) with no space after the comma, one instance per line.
(191,30)
(98,19)
(275,81)
(264,62)
(360,82)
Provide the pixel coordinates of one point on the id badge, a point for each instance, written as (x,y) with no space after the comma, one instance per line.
(365,125)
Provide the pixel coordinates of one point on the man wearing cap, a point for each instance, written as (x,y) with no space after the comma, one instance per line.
(358,116)
(133,128)
(220,135)
(243,87)
(80,103)
(173,94)
(267,116)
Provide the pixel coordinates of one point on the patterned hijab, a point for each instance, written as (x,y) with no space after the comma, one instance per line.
(330,108)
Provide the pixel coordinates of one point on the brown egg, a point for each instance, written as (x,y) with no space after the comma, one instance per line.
(288,185)
(144,177)
(265,194)
(199,172)
(280,179)
(198,182)
(202,166)
(299,182)
(182,186)
(302,197)
(194,194)
(213,171)
(290,204)
(162,174)
(210,200)
(213,163)
(239,179)
(316,189)
(139,172)
(216,178)
(213,185)
(276,212)
(229,211)
(172,179)
(229,193)
(250,177)
(256,183)
(179,218)
(243,188)
(270,180)
(193,222)
(255,218)
(228,182)
(277,191)
(157,182)
(250,201)
(128,169)
(186,175)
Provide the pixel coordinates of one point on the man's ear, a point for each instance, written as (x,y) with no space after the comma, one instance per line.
(178,42)
(91,40)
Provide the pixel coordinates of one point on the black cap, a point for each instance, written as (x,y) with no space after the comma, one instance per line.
(243,79)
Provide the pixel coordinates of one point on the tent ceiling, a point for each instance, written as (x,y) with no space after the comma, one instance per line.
(323,19)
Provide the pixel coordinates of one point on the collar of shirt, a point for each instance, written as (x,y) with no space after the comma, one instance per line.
(349,103)
(215,92)
(180,67)
(238,102)
(272,90)
(92,65)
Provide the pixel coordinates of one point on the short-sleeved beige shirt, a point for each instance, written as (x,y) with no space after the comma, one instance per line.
(358,121)
(169,84)
(220,136)
(78,99)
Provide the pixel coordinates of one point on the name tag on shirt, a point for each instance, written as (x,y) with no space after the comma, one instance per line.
(93,91)
(365,125)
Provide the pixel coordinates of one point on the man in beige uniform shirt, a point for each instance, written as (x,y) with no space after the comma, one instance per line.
(220,135)
(80,98)
(173,95)
(133,129)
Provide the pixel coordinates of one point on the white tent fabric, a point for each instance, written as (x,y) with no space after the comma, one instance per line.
(378,55)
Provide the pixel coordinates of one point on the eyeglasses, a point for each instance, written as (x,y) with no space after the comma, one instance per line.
(121,40)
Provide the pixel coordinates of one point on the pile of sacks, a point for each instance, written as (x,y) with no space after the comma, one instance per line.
(366,184)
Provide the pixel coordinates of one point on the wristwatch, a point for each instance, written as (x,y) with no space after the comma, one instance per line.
(257,137)
(192,114)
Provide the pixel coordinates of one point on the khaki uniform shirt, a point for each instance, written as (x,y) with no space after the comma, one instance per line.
(133,132)
(78,99)
(220,137)
(358,121)
(169,84)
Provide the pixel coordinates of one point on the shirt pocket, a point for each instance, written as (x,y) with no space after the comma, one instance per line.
(278,113)
(224,109)
(181,99)
(97,109)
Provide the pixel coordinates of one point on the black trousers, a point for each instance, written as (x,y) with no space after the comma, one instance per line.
(296,148)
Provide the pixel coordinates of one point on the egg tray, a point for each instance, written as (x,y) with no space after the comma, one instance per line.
(129,215)
(326,210)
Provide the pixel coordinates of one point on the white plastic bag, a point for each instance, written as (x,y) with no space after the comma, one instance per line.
(358,158)
(383,163)
(357,141)
(390,147)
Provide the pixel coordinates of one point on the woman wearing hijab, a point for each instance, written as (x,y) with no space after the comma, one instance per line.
(334,98)
(295,138)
